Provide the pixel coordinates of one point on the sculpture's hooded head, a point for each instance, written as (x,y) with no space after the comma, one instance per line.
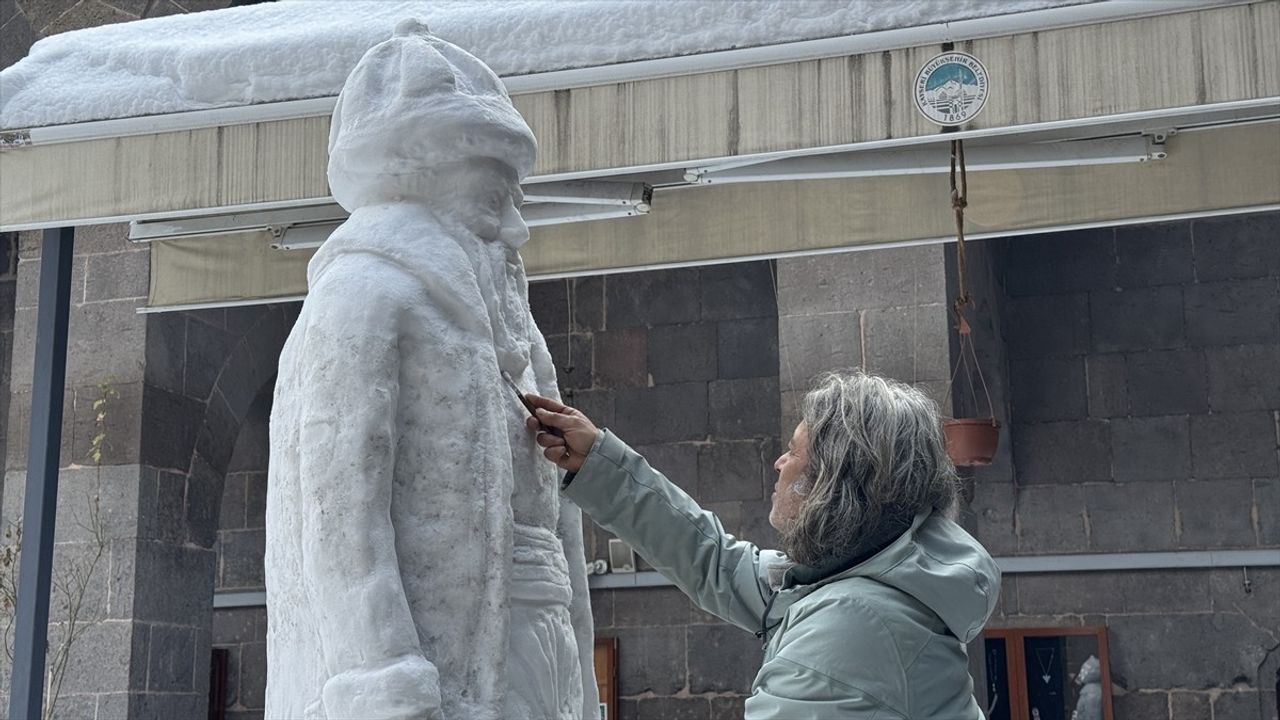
(421,119)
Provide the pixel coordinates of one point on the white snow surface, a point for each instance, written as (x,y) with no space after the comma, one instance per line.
(305,48)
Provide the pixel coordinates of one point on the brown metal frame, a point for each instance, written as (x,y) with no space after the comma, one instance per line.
(606,664)
(1015,661)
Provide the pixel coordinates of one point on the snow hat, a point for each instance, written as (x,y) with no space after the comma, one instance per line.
(413,103)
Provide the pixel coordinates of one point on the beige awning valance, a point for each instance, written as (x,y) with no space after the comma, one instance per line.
(1206,171)
(1141,65)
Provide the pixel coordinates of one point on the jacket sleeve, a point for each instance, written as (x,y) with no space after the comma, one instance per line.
(347,447)
(787,689)
(624,495)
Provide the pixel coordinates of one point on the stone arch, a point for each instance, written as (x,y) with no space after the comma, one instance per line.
(207,372)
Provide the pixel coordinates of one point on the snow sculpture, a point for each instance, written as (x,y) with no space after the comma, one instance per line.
(420,561)
(1089,702)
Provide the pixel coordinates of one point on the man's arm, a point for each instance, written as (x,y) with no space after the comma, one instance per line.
(347,450)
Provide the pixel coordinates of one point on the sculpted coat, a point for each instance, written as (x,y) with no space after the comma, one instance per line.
(420,560)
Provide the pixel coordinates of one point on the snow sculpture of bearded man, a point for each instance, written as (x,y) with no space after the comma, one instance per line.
(420,561)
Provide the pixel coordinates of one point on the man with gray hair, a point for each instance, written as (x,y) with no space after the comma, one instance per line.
(866,611)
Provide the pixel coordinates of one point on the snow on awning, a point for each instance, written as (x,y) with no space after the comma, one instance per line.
(304,49)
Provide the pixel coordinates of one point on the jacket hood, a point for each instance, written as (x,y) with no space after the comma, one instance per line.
(936,562)
(412,104)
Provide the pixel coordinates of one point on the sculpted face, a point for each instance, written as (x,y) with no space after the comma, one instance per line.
(487,199)
(791,487)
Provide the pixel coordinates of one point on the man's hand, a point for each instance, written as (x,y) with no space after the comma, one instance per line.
(576,433)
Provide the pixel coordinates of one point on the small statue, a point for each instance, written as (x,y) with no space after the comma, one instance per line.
(420,561)
(1089,701)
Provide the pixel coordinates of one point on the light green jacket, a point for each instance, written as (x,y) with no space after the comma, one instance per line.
(883,639)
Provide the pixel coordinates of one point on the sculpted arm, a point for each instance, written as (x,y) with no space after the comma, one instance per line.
(347,451)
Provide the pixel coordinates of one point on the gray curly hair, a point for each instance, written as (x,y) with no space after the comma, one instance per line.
(877,458)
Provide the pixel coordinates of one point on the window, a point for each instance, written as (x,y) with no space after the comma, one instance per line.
(1061,673)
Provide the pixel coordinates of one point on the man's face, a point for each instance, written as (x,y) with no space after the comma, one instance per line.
(789,490)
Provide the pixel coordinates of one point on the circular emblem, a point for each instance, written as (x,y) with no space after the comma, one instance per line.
(951,89)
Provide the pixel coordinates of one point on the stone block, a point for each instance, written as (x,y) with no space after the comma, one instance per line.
(1048,389)
(651,660)
(1216,514)
(668,708)
(745,408)
(1166,591)
(99,658)
(849,281)
(203,498)
(650,607)
(677,461)
(217,436)
(1062,452)
(731,470)
(1130,517)
(737,290)
(15,42)
(170,659)
(932,347)
(573,359)
(175,584)
(253,674)
(1237,246)
(595,404)
(1154,255)
(252,451)
(602,609)
(121,425)
(994,511)
(171,423)
(1238,705)
(1225,445)
(550,302)
(207,350)
(166,351)
(666,413)
(1167,382)
(113,705)
(109,492)
(162,506)
(241,384)
(621,358)
(1136,320)
(889,342)
(1046,326)
(1141,705)
(1255,599)
(682,353)
(1069,593)
(710,646)
(1212,649)
(1266,497)
(1244,378)
(241,558)
(1051,519)
(168,705)
(117,276)
(1067,262)
(1151,448)
(255,511)
(1233,313)
(747,348)
(1188,706)
(121,578)
(655,297)
(727,707)
(26,290)
(71,706)
(1108,387)
(236,625)
(809,345)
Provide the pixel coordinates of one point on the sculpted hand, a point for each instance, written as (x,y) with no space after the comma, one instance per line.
(573,435)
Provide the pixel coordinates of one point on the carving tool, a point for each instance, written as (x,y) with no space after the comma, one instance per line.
(528,405)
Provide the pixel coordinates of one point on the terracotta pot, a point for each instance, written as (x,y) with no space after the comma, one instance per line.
(971,441)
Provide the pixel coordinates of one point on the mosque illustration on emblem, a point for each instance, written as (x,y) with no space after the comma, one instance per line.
(951,88)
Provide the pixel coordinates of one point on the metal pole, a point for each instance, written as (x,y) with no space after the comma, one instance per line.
(36,564)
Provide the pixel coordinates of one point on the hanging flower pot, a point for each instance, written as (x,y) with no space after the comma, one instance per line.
(971,441)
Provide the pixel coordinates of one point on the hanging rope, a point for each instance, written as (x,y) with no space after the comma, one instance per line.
(959,200)
(968,353)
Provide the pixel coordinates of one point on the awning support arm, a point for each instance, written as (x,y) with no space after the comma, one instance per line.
(36,563)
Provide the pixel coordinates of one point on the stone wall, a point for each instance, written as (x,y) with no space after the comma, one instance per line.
(1145,404)
(683,365)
